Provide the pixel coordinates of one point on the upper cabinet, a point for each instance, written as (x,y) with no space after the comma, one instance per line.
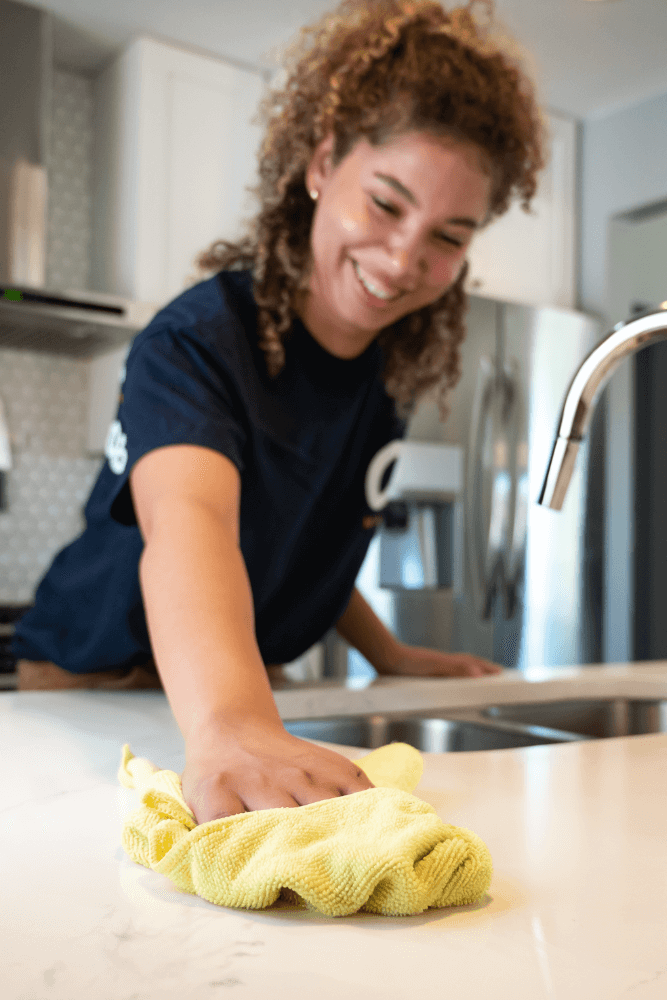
(530,258)
(175,148)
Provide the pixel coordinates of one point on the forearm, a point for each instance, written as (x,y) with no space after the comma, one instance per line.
(362,629)
(200,618)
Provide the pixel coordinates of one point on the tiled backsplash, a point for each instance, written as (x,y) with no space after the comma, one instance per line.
(45,395)
(69,229)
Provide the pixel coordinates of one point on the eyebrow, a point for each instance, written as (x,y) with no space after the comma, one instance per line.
(408,195)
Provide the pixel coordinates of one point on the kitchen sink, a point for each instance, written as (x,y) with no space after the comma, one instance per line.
(595,718)
(498,727)
(430,733)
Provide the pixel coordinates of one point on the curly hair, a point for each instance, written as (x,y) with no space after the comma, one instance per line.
(378,69)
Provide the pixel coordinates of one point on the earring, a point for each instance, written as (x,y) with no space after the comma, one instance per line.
(314,195)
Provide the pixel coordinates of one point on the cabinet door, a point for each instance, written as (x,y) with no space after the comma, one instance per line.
(529,258)
(176,150)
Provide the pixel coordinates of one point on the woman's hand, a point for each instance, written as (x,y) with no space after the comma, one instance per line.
(413,661)
(259,765)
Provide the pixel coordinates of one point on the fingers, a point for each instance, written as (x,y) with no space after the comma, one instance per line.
(358,782)
(298,789)
(475,666)
(231,804)
(307,788)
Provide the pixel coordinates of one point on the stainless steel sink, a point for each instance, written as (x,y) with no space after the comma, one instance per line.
(595,718)
(430,733)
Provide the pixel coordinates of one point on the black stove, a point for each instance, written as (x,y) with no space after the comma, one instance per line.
(9,615)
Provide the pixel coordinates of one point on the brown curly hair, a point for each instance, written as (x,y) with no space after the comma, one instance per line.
(377,69)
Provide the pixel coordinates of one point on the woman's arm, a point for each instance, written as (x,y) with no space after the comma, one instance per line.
(362,629)
(196,591)
(200,617)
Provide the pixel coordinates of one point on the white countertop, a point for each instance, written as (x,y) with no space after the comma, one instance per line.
(304,700)
(577,908)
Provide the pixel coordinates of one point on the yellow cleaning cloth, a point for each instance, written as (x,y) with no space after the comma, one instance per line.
(381,850)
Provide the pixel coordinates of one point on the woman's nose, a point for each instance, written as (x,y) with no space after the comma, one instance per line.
(408,265)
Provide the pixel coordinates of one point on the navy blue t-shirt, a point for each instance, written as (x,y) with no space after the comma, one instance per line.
(302,443)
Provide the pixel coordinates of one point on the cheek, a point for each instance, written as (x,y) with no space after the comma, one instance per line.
(446,269)
(354,220)
(347,215)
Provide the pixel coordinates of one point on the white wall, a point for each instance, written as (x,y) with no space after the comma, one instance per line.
(637,262)
(624,157)
(624,166)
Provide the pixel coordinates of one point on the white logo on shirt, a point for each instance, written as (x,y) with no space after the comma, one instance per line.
(115,449)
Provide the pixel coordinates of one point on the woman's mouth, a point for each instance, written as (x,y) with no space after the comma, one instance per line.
(379,294)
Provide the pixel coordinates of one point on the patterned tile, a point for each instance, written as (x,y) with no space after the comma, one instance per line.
(46,395)
(69,167)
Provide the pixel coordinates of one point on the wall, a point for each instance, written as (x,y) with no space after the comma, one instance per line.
(623,169)
(637,262)
(45,395)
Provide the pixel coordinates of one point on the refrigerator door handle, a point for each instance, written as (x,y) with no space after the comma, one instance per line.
(488,486)
(514,548)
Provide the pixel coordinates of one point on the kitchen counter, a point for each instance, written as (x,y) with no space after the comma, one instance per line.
(305,700)
(577,908)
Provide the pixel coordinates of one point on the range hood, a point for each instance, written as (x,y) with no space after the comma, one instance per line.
(79,324)
(76,322)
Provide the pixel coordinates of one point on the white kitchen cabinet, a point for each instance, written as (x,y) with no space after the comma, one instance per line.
(530,259)
(175,148)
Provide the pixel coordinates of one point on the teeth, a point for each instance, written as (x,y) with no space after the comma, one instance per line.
(369,287)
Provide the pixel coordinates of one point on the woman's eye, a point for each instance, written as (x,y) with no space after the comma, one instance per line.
(450,239)
(384,205)
(392,210)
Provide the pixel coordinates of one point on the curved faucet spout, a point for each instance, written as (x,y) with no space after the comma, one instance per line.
(591,377)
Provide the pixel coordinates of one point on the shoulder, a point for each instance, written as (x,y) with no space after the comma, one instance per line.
(216,317)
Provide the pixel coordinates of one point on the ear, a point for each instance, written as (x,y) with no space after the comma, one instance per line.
(320,168)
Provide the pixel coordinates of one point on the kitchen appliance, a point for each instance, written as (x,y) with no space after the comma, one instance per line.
(523,591)
(416,548)
(79,323)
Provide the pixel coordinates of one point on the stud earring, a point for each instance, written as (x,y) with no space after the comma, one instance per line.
(314,195)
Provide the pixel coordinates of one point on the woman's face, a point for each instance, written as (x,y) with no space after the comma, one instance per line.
(390,233)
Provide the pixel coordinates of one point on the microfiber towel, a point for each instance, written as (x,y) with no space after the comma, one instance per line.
(381,850)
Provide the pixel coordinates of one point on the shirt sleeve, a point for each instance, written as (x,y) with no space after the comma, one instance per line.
(176,390)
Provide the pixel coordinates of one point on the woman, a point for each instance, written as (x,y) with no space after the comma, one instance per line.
(227,528)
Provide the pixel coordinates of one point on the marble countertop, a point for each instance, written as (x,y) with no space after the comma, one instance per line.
(577,909)
(308,700)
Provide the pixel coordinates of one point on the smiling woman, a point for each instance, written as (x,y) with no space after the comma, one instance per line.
(228,526)
(417,126)
(379,251)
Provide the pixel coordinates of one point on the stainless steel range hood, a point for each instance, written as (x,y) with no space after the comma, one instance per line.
(77,322)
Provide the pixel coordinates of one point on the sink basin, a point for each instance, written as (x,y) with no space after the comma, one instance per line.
(595,718)
(431,734)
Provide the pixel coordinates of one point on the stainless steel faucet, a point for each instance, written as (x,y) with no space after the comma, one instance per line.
(593,374)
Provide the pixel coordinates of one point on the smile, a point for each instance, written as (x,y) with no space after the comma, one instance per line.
(371,288)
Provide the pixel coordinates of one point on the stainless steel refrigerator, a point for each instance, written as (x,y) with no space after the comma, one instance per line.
(522,587)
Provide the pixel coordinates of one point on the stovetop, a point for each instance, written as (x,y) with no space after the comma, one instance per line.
(9,615)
